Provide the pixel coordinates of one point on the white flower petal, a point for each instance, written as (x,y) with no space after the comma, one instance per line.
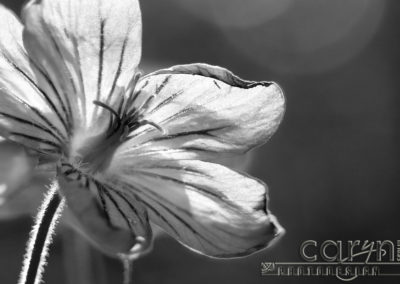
(206,206)
(205,112)
(110,219)
(28,111)
(90,48)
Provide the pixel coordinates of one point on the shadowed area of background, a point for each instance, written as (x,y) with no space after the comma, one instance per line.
(332,167)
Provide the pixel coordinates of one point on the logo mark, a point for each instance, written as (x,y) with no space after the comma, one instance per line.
(344,260)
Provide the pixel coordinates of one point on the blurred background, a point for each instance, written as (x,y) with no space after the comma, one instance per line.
(332,167)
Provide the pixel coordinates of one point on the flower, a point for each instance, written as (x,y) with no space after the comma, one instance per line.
(131,149)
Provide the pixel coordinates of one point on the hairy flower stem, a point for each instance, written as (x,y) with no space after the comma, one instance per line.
(41,236)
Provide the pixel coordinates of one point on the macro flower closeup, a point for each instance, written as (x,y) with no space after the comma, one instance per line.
(129,149)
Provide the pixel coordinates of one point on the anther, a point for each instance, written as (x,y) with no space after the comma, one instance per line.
(110,109)
(125,134)
(155,125)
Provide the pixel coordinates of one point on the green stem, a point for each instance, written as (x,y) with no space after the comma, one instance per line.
(41,237)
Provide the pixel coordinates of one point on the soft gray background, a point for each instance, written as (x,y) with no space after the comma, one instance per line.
(333,165)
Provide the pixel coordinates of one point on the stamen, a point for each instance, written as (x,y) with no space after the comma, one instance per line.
(136,79)
(132,112)
(110,109)
(125,134)
(132,96)
(135,125)
(156,126)
(128,121)
(136,111)
(121,104)
(147,102)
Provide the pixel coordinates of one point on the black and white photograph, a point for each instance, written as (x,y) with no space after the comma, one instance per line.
(199,141)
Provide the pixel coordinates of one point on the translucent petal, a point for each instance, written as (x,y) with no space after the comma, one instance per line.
(112,220)
(206,206)
(29,112)
(205,112)
(89,49)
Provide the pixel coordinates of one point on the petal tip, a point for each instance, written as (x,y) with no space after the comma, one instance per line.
(278,230)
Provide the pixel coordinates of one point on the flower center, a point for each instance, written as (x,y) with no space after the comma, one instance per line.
(92,153)
(97,151)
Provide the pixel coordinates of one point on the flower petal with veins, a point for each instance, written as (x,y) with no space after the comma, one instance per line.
(88,48)
(206,206)
(109,219)
(27,112)
(131,150)
(206,112)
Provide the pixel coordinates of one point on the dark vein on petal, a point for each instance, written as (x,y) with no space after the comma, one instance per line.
(205,132)
(175,116)
(163,201)
(41,140)
(69,75)
(118,72)
(155,196)
(146,104)
(144,222)
(79,63)
(163,84)
(44,151)
(131,100)
(186,169)
(158,214)
(120,211)
(46,76)
(178,114)
(148,206)
(63,121)
(104,191)
(187,185)
(219,196)
(198,149)
(40,90)
(101,59)
(104,205)
(166,101)
(125,199)
(33,124)
(39,114)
